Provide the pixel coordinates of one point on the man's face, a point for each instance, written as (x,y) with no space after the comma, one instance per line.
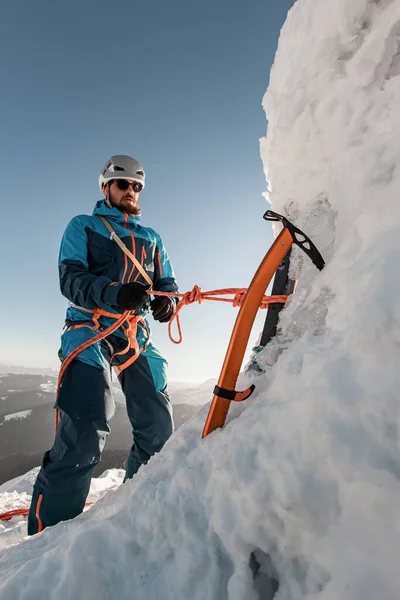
(125,200)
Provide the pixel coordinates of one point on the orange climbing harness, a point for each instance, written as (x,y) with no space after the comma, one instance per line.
(128,323)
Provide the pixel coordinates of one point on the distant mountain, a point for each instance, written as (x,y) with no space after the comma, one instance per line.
(27,423)
(19,391)
(194,394)
(41,381)
(27,370)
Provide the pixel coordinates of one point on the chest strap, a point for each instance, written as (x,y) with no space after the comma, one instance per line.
(126,251)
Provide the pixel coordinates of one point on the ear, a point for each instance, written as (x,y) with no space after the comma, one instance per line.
(106,191)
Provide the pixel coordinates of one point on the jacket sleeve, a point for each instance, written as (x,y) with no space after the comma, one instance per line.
(164,276)
(77,284)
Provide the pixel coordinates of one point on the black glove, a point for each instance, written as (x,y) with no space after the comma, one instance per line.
(162,307)
(131,296)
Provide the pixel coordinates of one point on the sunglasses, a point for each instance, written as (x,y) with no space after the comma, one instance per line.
(123,184)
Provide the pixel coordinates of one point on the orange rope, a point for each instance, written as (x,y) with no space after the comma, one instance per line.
(7,516)
(196,295)
(24,512)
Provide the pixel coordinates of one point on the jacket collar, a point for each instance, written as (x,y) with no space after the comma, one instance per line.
(113,214)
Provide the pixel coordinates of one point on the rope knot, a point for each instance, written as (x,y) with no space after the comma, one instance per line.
(267,300)
(195,295)
(239,297)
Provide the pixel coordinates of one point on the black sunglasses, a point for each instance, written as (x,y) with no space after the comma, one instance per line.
(123,184)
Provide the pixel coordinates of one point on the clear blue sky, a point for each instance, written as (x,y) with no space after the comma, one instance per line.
(178,85)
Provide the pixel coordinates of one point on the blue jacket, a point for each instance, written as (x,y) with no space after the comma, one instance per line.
(92,267)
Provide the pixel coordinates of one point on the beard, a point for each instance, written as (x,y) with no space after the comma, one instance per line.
(126,204)
(129,206)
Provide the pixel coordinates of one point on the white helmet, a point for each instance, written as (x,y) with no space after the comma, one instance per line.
(121,167)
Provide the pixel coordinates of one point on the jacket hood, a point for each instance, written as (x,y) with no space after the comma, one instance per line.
(113,213)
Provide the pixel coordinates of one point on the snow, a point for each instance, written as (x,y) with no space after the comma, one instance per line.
(22,414)
(17,493)
(19,485)
(49,386)
(306,473)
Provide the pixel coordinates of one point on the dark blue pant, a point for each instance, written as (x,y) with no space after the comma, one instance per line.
(86,407)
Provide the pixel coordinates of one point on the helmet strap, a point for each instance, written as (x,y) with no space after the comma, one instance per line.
(107,200)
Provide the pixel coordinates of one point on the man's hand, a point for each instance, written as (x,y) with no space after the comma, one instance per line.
(162,307)
(131,296)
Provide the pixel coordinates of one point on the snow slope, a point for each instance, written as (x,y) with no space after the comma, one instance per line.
(17,494)
(22,414)
(306,473)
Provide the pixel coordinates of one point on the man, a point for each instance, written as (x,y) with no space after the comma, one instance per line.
(102,280)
